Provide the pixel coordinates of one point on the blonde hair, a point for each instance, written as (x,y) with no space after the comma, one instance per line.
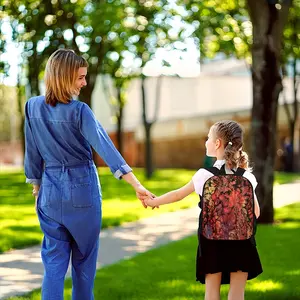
(60,75)
(231,134)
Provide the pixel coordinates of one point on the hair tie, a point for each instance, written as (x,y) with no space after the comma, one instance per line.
(230,143)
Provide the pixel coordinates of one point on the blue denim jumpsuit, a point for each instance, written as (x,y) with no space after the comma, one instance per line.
(58,157)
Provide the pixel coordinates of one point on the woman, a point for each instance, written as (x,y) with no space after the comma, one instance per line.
(59,135)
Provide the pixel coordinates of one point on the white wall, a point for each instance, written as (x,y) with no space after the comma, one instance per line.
(181,98)
(100,103)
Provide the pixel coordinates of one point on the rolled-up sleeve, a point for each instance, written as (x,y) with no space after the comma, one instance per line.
(97,137)
(33,162)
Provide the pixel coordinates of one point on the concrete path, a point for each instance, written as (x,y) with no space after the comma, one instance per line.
(21,270)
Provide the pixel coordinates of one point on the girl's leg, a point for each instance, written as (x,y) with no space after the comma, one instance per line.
(237,285)
(212,286)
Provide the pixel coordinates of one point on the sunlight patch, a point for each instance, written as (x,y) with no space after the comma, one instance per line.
(294,272)
(173,283)
(289,225)
(264,286)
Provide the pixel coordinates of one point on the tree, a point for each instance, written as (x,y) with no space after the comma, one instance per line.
(148,123)
(116,65)
(143,32)
(4,66)
(44,26)
(220,27)
(21,103)
(268,20)
(152,29)
(117,101)
(132,25)
(252,30)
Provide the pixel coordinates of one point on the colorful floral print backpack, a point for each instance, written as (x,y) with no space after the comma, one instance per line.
(227,206)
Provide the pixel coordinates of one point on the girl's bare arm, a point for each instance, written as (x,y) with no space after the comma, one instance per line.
(172,196)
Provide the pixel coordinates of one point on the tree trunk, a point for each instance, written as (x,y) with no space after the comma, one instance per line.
(92,75)
(148,149)
(147,128)
(20,96)
(86,97)
(292,153)
(120,120)
(86,93)
(33,74)
(268,23)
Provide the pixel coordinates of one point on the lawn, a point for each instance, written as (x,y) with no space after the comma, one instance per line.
(282,177)
(19,225)
(167,273)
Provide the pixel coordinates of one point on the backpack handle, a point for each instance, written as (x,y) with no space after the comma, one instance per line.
(239,171)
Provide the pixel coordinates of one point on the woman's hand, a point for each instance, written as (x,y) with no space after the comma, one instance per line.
(151,202)
(36,208)
(35,193)
(141,192)
(144,194)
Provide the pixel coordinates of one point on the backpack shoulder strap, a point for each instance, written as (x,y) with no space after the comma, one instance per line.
(213,170)
(217,171)
(222,170)
(239,172)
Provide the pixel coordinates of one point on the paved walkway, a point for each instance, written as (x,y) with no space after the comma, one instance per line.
(21,270)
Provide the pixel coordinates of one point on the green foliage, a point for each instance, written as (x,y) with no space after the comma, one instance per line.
(98,30)
(282,178)
(167,273)
(225,27)
(291,45)
(4,66)
(221,27)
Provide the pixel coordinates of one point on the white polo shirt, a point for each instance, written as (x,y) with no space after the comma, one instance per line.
(202,175)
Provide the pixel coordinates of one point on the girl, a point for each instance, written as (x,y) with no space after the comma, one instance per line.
(221,261)
(59,136)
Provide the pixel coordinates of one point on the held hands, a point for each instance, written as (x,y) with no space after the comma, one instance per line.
(151,202)
(144,194)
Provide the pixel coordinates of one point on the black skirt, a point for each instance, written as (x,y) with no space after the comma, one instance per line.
(226,257)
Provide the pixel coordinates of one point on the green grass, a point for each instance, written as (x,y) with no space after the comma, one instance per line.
(168,272)
(282,177)
(19,225)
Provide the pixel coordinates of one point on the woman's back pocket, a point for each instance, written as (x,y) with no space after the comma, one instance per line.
(81,195)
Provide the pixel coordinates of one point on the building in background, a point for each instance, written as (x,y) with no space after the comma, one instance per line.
(188,107)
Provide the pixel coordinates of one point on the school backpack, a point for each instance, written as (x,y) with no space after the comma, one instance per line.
(227,206)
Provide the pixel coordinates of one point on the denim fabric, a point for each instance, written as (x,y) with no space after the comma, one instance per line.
(69,211)
(58,157)
(63,135)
